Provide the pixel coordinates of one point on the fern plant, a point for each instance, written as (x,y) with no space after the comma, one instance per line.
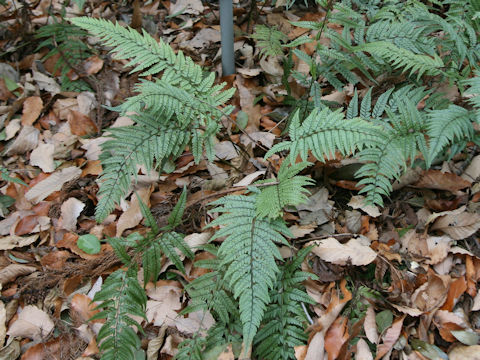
(122,296)
(182,108)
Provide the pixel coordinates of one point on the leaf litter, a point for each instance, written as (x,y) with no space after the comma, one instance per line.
(402,280)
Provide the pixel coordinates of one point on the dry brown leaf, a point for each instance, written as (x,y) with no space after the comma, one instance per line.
(133,215)
(32,108)
(407,310)
(370,325)
(42,157)
(247,180)
(81,124)
(458,226)
(472,172)
(432,293)
(299,231)
(25,141)
(356,251)
(12,128)
(12,271)
(11,350)
(53,183)
(32,323)
(193,7)
(447,321)
(316,347)
(55,260)
(336,337)
(227,354)
(461,352)
(26,225)
(14,241)
(70,210)
(50,350)
(165,300)
(92,65)
(82,308)
(456,289)
(390,337)
(363,351)
(435,179)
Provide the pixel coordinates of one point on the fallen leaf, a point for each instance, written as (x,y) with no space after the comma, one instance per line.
(356,251)
(25,141)
(197,321)
(82,308)
(462,352)
(92,65)
(26,225)
(363,351)
(70,210)
(193,7)
(390,337)
(53,183)
(456,289)
(458,226)
(3,319)
(335,337)
(166,299)
(42,157)
(133,215)
(433,248)
(55,260)
(81,124)
(432,293)
(446,321)
(472,172)
(12,271)
(247,180)
(32,108)
(358,202)
(435,179)
(14,241)
(12,128)
(50,350)
(370,325)
(32,323)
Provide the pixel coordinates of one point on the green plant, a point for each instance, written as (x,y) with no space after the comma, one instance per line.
(122,296)
(396,124)
(65,40)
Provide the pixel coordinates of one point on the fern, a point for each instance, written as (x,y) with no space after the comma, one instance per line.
(284,318)
(325,132)
(179,109)
(269,40)
(121,296)
(288,191)
(250,254)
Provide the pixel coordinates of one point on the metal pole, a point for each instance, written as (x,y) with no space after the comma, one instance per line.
(226,30)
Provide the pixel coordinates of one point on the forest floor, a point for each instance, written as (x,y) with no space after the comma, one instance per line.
(418,276)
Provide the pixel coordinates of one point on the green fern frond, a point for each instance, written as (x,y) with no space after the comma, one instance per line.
(474,92)
(250,254)
(179,109)
(121,296)
(324,132)
(444,126)
(289,191)
(145,143)
(404,59)
(284,320)
(269,40)
(191,349)
(385,162)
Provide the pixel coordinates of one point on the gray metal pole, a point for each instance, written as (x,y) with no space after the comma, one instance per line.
(226,29)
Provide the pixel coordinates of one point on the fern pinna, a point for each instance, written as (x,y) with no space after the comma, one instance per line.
(179,109)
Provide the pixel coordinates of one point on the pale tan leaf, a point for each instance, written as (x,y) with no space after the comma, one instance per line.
(390,337)
(299,231)
(193,7)
(12,128)
(356,251)
(14,241)
(197,321)
(25,141)
(465,352)
(316,348)
(263,137)
(434,248)
(358,202)
(155,344)
(3,319)
(476,302)
(32,323)
(133,215)
(363,351)
(42,157)
(408,310)
(166,296)
(458,226)
(472,172)
(10,351)
(53,183)
(12,271)
(70,210)
(32,108)
(370,325)
(247,180)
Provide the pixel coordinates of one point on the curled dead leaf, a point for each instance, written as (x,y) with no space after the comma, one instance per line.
(356,251)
